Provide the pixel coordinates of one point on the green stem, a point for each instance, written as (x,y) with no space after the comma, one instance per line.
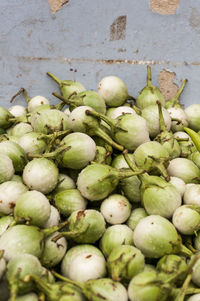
(26,96)
(56,79)
(53,229)
(188,271)
(187,240)
(50,155)
(161,168)
(191,291)
(13,223)
(40,283)
(64,100)
(50,145)
(109,121)
(32,155)
(161,119)
(126,173)
(182,293)
(59,106)
(192,263)
(13,292)
(174,101)
(20,118)
(71,234)
(180,91)
(57,237)
(1,253)
(60,133)
(100,133)
(57,134)
(149,81)
(194,136)
(185,251)
(137,110)
(112,123)
(116,270)
(182,139)
(53,137)
(130,163)
(78,284)
(57,151)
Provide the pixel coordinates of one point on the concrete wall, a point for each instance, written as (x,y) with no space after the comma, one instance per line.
(86,40)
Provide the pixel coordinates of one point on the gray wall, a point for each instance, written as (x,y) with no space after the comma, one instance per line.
(88,39)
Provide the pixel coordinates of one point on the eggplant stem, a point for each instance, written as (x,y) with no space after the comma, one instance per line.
(192,263)
(130,163)
(64,100)
(180,91)
(23,118)
(78,284)
(188,242)
(175,100)
(53,229)
(56,79)
(13,292)
(182,139)
(137,110)
(57,237)
(149,81)
(161,168)
(100,133)
(21,90)
(182,293)
(53,138)
(40,283)
(109,121)
(50,155)
(71,234)
(59,106)
(126,173)
(1,253)
(50,145)
(161,118)
(191,291)
(185,251)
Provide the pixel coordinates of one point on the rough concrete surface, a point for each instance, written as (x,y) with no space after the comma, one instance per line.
(87,40)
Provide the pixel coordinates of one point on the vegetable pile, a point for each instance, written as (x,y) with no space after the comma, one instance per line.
(100,196)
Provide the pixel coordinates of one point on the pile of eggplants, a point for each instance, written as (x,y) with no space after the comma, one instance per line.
(100,195)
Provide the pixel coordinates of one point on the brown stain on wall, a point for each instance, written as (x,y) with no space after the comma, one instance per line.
(118,29)
(166,83)
(164,7)
(55,5)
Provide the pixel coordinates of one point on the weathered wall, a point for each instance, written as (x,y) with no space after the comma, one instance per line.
(85,40)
